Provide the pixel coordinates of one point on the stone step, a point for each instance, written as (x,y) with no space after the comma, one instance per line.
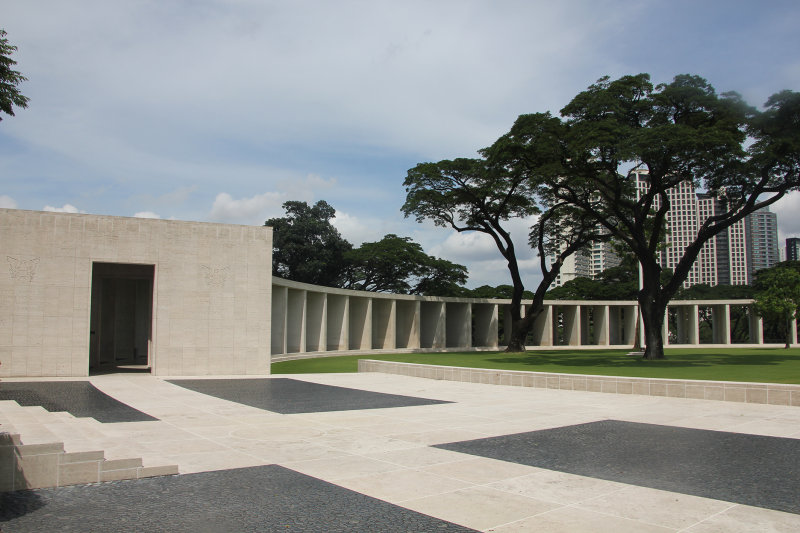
(40,465)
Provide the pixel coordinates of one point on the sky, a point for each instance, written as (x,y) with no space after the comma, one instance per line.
(221,110)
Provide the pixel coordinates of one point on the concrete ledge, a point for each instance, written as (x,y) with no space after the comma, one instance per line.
(35,466)
(729,391)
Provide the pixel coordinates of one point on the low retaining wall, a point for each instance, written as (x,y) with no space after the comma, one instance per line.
(729,391)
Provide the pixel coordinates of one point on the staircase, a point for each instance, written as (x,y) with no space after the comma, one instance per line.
(41,449)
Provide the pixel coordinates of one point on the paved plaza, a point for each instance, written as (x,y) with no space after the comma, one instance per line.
(378,452)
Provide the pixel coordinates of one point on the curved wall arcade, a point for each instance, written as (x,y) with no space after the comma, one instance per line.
(89,292)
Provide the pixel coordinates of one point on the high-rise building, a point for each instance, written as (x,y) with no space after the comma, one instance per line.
(793,249)
(730,258)
(762,240)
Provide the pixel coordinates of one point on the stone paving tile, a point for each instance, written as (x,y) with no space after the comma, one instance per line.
(402,485)
(558,487)
(480,470)
(668,509)
(479,507)
(203,433)
(267,498)
(572,520)
(741,518)
(749,469)
(287,396)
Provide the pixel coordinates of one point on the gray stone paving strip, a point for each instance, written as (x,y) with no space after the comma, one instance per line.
(291,396)
(266,498)
(79,398)
(749,469)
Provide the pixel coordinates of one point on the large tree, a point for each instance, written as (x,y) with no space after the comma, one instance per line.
(305,245)
(679,131)
(778,296)
(482,195)
(9,79)
(399,265)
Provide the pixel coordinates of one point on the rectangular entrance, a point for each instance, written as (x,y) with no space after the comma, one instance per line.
(121,317)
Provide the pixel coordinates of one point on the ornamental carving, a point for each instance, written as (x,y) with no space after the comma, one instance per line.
(215,276)
(22,269)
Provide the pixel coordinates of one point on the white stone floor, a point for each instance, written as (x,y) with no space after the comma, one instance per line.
(385,453)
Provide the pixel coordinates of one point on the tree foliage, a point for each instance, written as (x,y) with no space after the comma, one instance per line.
(675,131)
(483,194)
(10,79)
(777,294)
(399,265)
(308,248)
(305,245)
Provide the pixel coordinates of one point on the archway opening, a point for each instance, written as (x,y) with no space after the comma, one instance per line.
(121,318)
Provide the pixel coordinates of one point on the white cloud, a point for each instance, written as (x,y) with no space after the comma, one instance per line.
(146,214)
(305,189)
(788,211)
(358,230)
(253,210)
(67,208)
(7,202)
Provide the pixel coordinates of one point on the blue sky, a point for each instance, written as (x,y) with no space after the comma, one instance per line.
(221,110)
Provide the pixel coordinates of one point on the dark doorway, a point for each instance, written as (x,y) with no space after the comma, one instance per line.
(121,317)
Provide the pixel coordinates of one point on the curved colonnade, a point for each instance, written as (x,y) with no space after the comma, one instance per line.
(313,321)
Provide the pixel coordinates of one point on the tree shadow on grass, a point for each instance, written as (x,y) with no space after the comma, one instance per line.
(616,359)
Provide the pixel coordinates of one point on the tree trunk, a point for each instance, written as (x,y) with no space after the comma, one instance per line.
(517,341)
(653,315)
(520,330)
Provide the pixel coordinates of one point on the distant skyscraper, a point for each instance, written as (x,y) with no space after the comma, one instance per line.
(730,258)
(762,240)
(793,249)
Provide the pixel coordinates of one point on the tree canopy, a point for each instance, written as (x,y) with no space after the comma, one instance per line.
(399,265)
(777,294)
(308,248)
(674,132)
(483,194)
(10,79)
(305,245)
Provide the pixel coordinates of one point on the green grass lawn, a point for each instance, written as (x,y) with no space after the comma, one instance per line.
(770,365)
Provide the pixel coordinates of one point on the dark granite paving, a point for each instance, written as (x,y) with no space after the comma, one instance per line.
(264,498)
(748,469)
(80,398)
(291,396)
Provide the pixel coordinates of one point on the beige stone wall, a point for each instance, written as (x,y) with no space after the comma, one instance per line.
(211,291)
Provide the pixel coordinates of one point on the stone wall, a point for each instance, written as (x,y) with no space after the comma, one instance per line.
(211,292)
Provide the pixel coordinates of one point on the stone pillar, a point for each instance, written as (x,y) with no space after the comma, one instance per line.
(433,325)
(600,315)
(338,323)
(756,325)
(296,321)
(572,324)
(383,324)
(694,325)
(316,322)
(721,323)
(278,327)
(543,327)
(486,318)
(665,327)
(458,320)
(631,314)
(360,323)
(407,335)
(586,336)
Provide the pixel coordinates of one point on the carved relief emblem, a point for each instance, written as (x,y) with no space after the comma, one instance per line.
(22,269)
(215,276)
